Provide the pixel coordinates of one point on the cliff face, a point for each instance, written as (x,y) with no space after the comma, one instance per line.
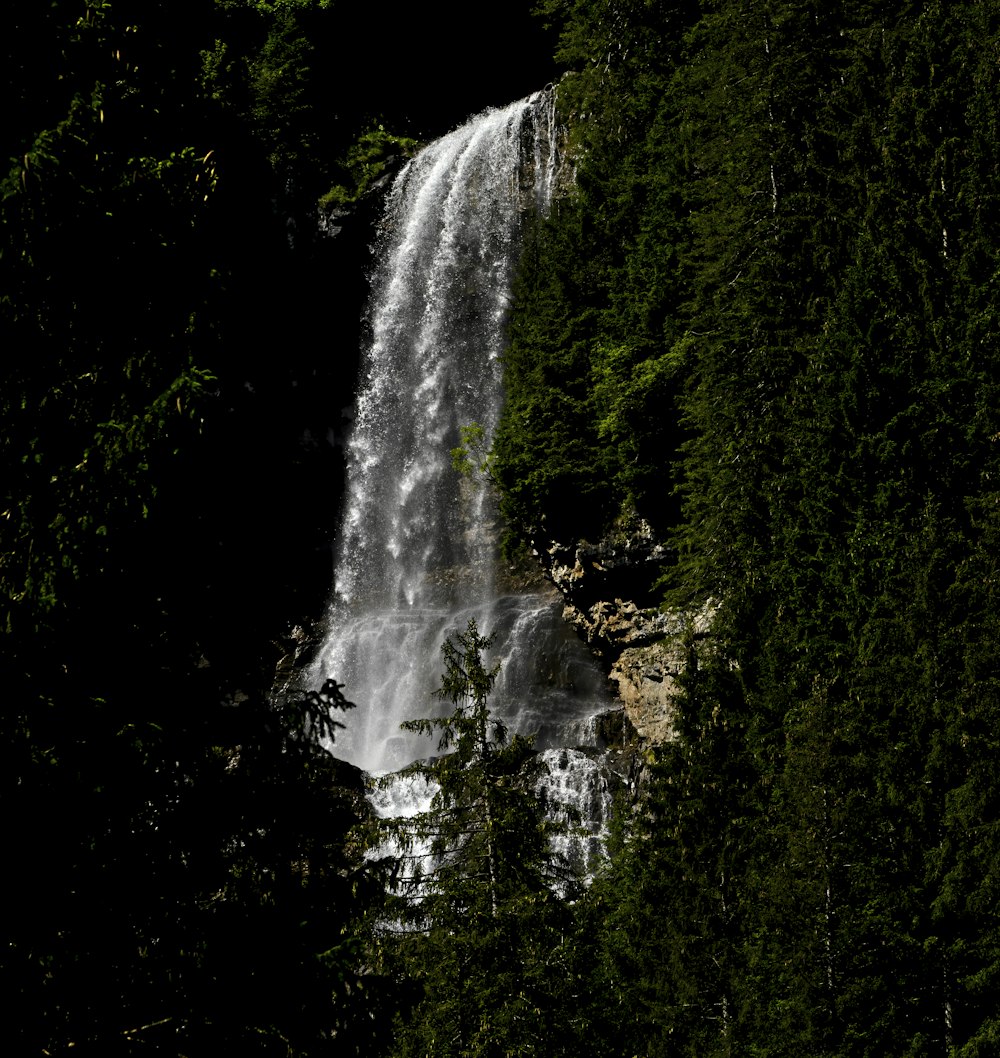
(607,593)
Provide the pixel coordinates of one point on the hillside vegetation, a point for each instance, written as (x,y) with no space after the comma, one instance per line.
(767,320)
(764,319)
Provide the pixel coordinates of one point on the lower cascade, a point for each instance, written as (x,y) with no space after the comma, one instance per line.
(418,552)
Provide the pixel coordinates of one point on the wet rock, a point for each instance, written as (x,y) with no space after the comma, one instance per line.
(609,597)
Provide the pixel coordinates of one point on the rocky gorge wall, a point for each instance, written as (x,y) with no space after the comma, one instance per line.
(608,598)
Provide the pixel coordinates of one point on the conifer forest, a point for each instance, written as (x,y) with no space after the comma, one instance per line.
(759,317)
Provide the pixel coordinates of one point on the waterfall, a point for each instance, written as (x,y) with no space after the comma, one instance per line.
(418,554)
(575,793)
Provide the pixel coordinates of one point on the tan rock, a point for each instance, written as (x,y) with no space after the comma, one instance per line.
(646,678)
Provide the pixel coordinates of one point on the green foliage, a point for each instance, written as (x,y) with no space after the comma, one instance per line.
(549,463)
(473,458)
(588,427)
(764,317)
(480,931)
(766,299)
(366,161)
(185,882)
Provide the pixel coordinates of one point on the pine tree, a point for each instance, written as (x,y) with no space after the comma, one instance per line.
(477,930)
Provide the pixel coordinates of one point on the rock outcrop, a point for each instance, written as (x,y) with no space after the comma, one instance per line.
(608,596)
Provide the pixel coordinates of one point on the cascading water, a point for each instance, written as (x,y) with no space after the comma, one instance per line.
(418,552)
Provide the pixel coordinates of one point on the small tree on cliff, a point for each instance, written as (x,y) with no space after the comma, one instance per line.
(476,925)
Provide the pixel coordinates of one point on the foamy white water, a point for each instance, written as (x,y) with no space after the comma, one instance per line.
(417,554)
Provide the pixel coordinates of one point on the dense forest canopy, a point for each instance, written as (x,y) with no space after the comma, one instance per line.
(767,323)
(178,340)
(763,319)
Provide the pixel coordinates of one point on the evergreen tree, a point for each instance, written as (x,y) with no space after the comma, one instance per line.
(817,314)
(478,930)
(184,881)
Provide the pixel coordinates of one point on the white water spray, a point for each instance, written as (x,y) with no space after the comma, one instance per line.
(418,555)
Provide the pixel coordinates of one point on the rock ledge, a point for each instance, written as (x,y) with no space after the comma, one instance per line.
(608,597)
